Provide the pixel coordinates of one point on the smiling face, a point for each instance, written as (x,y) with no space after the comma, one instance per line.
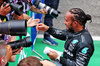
(68,21)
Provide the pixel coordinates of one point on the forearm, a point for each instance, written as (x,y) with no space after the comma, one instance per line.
(57,33)
(34,9)
(67,62)
(26,16)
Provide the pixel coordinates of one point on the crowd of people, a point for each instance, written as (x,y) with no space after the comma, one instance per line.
(78,47)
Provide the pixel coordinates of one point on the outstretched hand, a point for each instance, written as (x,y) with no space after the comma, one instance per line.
(32,23)
(42,27)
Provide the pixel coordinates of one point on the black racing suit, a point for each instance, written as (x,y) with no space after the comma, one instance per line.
(78,46)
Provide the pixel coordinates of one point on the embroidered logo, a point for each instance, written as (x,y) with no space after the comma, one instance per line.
(75,41)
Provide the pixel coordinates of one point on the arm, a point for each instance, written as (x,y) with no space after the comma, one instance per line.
(30,23)
(59,34)
(13,57)
(21,17)
(16,51)
(26,16)
(17,17)
(36,10)
(83,55)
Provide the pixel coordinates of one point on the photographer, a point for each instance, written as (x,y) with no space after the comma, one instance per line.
(4,10)
(25,8)
(30,23)
(79,45)
(5,52)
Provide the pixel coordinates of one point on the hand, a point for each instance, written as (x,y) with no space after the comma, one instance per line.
(17,17)
(42,27)
(34,9)
(47,63)
(4,10)
(26,16)
(11,38)
(17,51)
(43,11)
(0,34)
(9,52)
(32,23)
(52,55)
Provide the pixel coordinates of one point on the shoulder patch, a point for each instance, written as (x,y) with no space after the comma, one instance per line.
(84,50)
(74,41)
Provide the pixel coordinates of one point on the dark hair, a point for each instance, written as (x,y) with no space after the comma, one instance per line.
(29,61)
(80,16)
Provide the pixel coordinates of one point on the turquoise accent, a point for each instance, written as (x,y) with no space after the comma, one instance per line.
(84,50)
(75,41)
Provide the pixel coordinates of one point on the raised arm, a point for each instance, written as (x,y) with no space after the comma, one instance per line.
(59,34)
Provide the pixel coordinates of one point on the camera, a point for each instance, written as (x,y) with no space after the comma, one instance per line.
(54,13)
(18,8)
(21,43)
(14,27)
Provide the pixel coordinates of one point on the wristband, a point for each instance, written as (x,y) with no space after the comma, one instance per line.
(2,17)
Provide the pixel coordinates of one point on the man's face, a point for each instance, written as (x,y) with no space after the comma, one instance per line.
(1,2)
(68,21)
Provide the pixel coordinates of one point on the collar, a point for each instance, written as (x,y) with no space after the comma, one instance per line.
(70,35)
